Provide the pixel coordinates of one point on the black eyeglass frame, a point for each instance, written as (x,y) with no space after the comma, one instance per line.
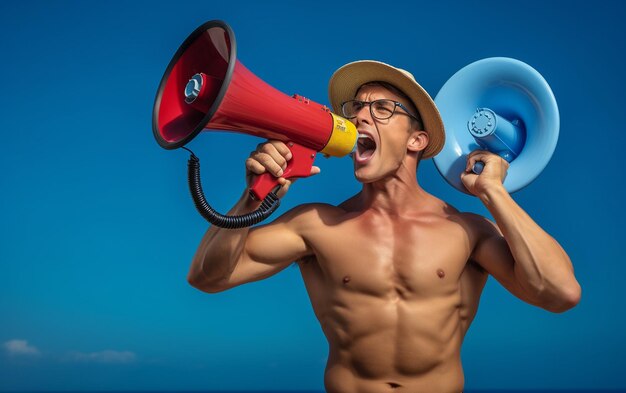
(363,103)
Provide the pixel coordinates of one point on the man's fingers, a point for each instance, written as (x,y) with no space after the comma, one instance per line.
(270,156)
(254,167)
(275,146)
(282,149)
(269,163)
(284,186)
(315,170)
(271,150)
(482,156)
(471,160)
(259,163)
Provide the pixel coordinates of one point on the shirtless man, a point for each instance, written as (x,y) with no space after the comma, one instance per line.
(394,274)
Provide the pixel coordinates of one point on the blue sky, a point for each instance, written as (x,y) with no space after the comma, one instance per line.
(98,229)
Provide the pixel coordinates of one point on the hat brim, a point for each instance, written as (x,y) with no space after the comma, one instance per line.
(346,80)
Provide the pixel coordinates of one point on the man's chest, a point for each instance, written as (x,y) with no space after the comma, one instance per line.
(407,259)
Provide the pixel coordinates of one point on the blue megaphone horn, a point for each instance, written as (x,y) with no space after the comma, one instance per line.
(502,105)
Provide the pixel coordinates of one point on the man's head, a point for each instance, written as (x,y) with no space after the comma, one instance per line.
(394,115)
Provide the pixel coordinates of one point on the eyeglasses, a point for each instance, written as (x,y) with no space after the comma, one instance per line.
(379,109)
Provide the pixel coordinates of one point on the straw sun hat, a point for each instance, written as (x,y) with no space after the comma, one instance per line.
(346,80)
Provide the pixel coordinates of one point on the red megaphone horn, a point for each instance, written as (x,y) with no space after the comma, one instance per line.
(206,88)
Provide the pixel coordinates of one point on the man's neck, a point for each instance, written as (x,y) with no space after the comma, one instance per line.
(394,195)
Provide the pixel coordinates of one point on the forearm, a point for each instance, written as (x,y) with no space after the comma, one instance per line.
(220,249)
(542,267)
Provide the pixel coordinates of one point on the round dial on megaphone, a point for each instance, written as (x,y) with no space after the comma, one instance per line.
(502,105)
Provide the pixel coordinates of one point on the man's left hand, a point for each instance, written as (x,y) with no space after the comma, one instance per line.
(492,176)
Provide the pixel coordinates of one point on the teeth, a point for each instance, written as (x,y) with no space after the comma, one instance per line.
(361,136)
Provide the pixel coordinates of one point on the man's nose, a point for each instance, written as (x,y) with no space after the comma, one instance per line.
(364,115)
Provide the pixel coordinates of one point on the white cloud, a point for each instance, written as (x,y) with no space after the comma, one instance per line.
(20,347)
(107,356)
(17,347)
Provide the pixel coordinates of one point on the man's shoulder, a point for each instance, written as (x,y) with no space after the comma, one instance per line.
(312,213)
(315,207)
(474,223)
(471,221)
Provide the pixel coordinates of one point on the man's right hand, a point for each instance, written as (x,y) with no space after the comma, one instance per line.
(271,156)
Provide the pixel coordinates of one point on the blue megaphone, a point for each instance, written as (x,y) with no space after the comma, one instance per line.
(502,105)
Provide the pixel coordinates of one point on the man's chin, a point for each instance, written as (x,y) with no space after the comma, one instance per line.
(361,175)
(368,171)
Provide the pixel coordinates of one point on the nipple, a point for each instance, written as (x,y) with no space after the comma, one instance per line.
(346,279)
(441,273)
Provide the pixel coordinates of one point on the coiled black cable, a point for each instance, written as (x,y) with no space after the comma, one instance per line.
(268,206)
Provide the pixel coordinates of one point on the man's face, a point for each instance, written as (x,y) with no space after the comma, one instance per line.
(384,148)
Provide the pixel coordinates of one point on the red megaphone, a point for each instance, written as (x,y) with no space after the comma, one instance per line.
(206,88)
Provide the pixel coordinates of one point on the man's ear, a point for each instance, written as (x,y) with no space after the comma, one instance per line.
(417,141)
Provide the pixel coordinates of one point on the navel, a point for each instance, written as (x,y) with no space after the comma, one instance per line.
(346,279)
(441,273)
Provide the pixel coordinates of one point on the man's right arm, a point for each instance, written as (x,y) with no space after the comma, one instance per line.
(231,257)
(227,258)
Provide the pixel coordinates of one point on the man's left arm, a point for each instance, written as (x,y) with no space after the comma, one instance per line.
(541,269)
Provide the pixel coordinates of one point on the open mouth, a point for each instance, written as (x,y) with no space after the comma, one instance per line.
(365,147)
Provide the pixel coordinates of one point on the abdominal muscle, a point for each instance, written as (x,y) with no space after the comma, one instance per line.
(393,344)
